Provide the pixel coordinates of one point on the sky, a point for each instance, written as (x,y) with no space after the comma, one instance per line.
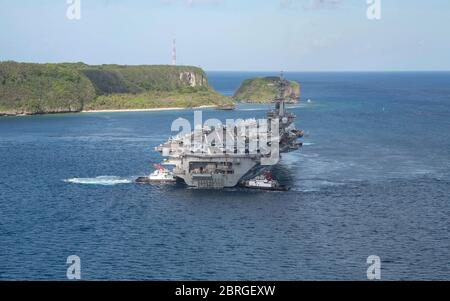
(239,35)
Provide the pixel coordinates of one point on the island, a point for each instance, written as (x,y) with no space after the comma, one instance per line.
(28,88)
(264,90)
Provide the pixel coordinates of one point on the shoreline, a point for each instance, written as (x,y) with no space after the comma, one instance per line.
(147,110)
(110,111)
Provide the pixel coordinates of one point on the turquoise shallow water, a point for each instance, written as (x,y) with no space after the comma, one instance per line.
(372,179)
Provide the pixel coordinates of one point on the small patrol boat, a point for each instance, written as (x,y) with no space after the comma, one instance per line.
(264,181)
(160,175)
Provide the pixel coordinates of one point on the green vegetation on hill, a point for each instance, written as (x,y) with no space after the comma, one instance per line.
(33,88)
(55,88)
(264,90)
(159,99)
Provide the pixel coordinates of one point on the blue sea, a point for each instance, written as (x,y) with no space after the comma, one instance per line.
(373,178)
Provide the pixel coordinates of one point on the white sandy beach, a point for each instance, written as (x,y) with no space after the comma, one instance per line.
(146,110)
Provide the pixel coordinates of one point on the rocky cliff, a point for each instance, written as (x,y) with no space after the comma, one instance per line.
(56,88)
(264,90)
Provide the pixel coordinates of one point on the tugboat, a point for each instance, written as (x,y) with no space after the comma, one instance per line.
(264,181)
(160,175)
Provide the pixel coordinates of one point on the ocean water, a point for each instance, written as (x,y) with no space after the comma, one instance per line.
(372,179)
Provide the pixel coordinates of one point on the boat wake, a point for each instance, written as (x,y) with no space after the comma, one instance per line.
(102,180)
(308,143)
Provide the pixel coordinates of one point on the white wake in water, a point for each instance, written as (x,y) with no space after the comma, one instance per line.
(102,180)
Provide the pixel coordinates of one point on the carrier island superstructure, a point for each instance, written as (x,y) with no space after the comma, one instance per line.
(221,156)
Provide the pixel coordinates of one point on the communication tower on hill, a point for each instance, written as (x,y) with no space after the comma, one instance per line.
(174,53)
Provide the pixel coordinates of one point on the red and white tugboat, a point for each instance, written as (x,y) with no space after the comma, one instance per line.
(264,181)
(160,175)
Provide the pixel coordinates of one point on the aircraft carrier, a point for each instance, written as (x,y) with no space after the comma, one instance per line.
(221,156)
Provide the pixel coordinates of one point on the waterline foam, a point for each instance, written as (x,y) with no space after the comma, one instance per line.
(102,180)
